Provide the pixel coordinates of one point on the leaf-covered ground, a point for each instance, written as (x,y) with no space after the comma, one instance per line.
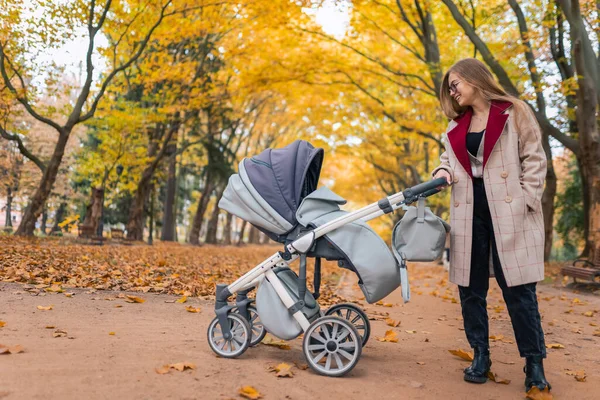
(130,322)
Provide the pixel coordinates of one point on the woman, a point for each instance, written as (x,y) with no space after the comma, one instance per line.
(496,165)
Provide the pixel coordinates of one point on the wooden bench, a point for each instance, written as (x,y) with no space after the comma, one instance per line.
(584,269)
(88,232)
(117,233)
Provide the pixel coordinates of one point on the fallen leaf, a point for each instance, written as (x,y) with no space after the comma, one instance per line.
(388,305)
(182,300)
(2,323)
(55,289)
(465,355)
(163,370)
(192,309)
(45,308)
(496,337)
(420,363)
(250,392)
(59,333)
(390,336)
(282,370)
(111,333)
(11,350)
(588,314)
(301,366)
(535,394)
(410,331)
(555,346)
(494,377)
(50,327)
(391,322)
(270,341)
(69,294)
(183,366)
(134,299)
(579,375)
(118,305)
(596,333)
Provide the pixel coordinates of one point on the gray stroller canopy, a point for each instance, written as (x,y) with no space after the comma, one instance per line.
(269,187)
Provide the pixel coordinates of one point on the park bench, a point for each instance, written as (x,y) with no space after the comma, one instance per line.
(117,233)
(584,269)
(89,233)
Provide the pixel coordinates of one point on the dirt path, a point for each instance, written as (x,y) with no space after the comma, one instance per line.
(89,363)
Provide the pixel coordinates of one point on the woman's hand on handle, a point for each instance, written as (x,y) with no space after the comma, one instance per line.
(442,173)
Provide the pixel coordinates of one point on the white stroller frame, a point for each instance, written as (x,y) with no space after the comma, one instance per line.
(295,249)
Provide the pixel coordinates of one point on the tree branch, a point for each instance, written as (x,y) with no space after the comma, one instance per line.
(15,138)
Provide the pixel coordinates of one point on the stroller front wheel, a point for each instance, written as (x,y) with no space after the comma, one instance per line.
(332,346)
(256,325)
(355,315)
(239,341)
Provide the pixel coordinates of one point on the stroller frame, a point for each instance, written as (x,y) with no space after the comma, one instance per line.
(296,249)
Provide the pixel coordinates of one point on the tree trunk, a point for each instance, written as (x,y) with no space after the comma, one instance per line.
(548,198)
(39,198)
(135,225)
(240,240)
(94,209)
(227,230)
(168,228)
(254,237)
(44,221)
(202,205)
(213,223)
(59,217)
(9,198)
(151,213)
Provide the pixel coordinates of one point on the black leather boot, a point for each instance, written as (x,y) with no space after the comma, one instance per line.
(534,373)
(478,371)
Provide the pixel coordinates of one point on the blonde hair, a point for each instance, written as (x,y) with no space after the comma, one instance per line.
(476,74)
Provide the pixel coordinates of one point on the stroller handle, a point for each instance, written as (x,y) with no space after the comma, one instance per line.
(423,189)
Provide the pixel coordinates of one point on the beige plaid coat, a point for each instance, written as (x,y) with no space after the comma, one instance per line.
(514,170)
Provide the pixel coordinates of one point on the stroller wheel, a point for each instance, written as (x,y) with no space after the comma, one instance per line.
(239,341)
(256,326)
(332,346)
(354,314)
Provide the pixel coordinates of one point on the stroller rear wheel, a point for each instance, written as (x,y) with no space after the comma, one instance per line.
(256,325)
(239,341)
(355,315)
(332,346)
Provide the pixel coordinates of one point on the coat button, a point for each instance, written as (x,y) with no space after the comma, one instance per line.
(504,174)
(456,204)
(508,199)
(455,180)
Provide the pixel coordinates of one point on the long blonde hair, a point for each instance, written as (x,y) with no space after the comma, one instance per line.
(476,74)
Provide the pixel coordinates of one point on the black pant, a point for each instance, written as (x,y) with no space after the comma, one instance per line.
(521,300)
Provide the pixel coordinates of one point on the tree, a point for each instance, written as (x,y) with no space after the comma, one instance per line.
(15,45)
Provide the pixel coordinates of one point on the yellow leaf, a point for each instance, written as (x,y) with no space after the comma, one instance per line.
(55,289)
(11,350)
(192,309)
(494,377)
(496,337)
(250,393)
(118,306)
(134,299)
(388,305)
(163,370)
(50,327)
(183,366)
(282,370)
(555,346)
(59,333)
(2,323)
(465,355)
(45,308)
(69,294)
(182,300)
(391,322)
(410,331)
(535,394)
(111,333)
(270,341)
(390,336)
(589,313)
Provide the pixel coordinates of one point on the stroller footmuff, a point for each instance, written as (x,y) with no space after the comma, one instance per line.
(277,192)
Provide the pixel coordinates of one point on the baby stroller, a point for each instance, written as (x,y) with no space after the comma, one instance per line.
(276,192)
